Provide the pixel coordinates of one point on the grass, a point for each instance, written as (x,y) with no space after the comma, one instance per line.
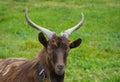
(98,57)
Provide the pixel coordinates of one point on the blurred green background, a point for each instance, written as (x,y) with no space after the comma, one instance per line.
(98,57)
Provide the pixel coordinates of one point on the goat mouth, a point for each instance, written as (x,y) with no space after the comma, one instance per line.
(59,72)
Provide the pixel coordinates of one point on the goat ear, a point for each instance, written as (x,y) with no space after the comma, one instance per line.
(42,39)
(75,43)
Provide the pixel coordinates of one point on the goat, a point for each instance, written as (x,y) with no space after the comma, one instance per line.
(49,65)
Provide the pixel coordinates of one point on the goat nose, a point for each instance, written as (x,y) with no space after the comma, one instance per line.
(60,67)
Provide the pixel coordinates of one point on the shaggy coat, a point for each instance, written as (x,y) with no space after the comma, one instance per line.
(55,52)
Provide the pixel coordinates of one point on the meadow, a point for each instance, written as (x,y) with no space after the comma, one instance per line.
(97,59)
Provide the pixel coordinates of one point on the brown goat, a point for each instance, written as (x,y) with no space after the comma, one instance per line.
(49,64)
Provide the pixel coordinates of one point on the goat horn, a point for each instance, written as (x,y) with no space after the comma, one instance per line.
(67,32)
(44,30)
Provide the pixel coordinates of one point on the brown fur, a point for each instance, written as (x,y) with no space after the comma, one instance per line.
(22,70)
(52,59)
(19,70)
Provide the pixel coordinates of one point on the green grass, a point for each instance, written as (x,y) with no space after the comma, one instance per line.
(98,57)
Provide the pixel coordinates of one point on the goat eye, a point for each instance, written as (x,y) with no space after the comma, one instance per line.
(66,54)
(64,46)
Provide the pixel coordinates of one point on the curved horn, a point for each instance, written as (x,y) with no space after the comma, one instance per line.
(67,32)
(44,30)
